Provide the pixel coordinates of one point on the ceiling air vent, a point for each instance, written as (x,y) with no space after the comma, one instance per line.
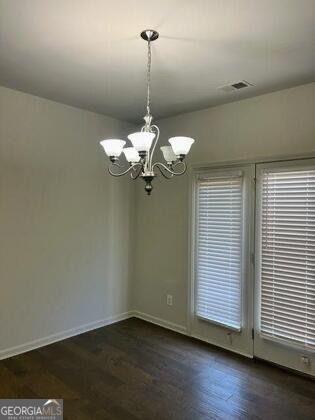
(235,86)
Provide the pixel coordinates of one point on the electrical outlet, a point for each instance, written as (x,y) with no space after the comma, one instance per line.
(169,300)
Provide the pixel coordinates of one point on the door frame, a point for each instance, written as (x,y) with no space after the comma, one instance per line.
(248,268)
(192,169)
(277,351)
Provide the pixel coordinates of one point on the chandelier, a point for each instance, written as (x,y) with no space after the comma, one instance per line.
(140,155)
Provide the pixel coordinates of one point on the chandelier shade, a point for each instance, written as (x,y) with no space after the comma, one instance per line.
(181,145)
(131,154)
(113,147)
(168,154)
(142,140)
(140,155)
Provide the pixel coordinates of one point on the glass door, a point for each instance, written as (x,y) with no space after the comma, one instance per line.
(285,264)
(221,293)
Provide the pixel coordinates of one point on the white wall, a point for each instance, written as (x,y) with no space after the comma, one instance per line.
(280,123)
(64,223)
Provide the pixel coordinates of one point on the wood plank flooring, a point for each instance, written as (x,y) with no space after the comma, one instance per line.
(136,370)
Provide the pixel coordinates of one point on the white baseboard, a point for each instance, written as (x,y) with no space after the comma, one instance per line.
(161,322)
(41,342)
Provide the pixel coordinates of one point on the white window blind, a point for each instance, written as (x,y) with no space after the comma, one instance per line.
(219,249)
(288,256)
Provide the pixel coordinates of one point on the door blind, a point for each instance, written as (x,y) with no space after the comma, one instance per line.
(219,250)
(288,256)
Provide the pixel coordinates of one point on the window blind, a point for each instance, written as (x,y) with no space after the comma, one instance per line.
(288,256)
(219,249)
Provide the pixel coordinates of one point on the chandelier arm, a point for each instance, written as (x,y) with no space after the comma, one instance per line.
(158,164)
(124,172)
(162,172)
(179,162)
(154,144)
(135,174)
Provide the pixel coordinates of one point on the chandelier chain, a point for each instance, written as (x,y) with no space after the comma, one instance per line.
(149,79)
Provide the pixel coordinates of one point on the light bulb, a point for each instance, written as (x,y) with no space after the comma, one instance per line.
(168,154)
(181,145)
(131,154)
(142,140)
(113,147)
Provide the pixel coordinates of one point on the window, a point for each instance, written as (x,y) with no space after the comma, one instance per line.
(287,254)
(219,248)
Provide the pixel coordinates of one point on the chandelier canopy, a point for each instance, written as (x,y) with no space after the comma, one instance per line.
(140,155)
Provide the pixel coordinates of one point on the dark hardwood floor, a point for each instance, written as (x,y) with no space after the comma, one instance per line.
(136,370)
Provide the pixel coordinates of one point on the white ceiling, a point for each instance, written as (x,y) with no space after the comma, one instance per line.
(88,53)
